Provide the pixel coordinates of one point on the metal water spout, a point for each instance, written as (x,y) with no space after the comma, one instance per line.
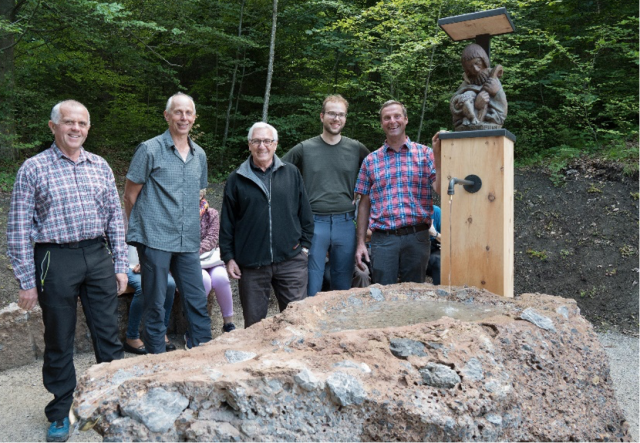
(471,183)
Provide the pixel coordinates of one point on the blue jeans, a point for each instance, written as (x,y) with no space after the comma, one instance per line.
(135,310)
(185,268)
(403,257)
(336,234)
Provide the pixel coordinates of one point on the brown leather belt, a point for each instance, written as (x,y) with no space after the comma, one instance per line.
(406,230)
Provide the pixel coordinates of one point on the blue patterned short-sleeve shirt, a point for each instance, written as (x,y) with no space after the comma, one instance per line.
(166,215)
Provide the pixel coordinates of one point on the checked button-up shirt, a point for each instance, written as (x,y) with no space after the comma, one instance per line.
(399,185)
(55,200)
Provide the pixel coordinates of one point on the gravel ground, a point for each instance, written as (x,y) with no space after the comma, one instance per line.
(23,396)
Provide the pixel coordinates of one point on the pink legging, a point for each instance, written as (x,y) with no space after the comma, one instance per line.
(218,279)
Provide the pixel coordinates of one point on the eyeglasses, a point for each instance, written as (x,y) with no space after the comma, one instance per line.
(339,115)
(256,142)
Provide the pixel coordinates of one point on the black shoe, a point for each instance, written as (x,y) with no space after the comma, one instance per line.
(170,346)
(228,327)
(139,351)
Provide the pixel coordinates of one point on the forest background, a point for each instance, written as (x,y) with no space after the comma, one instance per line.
(571,72)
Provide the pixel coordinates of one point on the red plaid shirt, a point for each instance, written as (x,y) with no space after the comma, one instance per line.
(399,185)
(55,200)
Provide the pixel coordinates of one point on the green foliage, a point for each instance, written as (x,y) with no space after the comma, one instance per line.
(541,255)
(8,172)
(570,71)
(628,251)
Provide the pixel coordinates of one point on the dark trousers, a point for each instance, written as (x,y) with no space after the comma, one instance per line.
(288,278)
(186,271)
(403,257)
(68,273)
(433,270)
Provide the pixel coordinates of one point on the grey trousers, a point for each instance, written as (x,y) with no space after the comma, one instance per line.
(404,258)
(185,269)
(288,278)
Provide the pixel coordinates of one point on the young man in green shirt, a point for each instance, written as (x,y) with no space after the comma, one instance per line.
(329,164)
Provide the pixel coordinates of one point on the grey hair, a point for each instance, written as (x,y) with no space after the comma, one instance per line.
(393,102)
(260,125)
(56,115)
(170,101)
(203,193)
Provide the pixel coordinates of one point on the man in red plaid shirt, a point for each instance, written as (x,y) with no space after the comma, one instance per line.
(65,238)
(395,185)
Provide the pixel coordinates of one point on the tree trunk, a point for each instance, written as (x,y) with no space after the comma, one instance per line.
(233,82)
(426,86)
(272,50)
(7,85)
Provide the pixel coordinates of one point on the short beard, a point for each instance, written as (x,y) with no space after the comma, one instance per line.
(332,131)
(481,78)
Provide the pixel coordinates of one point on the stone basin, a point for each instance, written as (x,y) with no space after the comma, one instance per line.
(408,362)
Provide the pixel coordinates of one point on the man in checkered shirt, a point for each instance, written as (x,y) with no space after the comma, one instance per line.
(66,203)
(395,185)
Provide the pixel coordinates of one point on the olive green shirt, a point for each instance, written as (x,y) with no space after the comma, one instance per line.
(329,172)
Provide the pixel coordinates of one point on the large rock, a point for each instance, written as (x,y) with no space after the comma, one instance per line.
(22,333)
(404,362)
(21,336)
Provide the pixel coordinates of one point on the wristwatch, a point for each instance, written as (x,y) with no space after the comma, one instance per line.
(305,250)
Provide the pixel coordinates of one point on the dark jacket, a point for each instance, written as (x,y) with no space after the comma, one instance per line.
(261,225)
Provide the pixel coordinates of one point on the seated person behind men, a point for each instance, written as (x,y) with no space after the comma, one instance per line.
(215,277)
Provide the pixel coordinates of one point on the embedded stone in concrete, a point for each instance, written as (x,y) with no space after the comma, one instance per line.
(345,389)
(403,348)
(238,356)
(376,293)
(439,376)
(540,321)
(157,409)
(324,370)
(307,380)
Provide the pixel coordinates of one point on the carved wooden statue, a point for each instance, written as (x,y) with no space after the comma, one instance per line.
(479,102)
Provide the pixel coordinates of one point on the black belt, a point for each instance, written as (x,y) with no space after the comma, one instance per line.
(76,244)
(406,230)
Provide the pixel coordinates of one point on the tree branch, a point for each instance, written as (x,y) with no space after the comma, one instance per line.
(153,51)
(15,11)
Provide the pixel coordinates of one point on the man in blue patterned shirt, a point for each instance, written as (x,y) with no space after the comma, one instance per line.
(162,203)
(65,201)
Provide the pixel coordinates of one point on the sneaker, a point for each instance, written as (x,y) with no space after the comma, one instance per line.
(187,342)
(59,430)
(228,327)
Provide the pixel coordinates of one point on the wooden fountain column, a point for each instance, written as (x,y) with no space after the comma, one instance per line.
(478,251)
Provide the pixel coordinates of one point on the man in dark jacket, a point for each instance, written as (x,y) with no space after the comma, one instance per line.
(266,227)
